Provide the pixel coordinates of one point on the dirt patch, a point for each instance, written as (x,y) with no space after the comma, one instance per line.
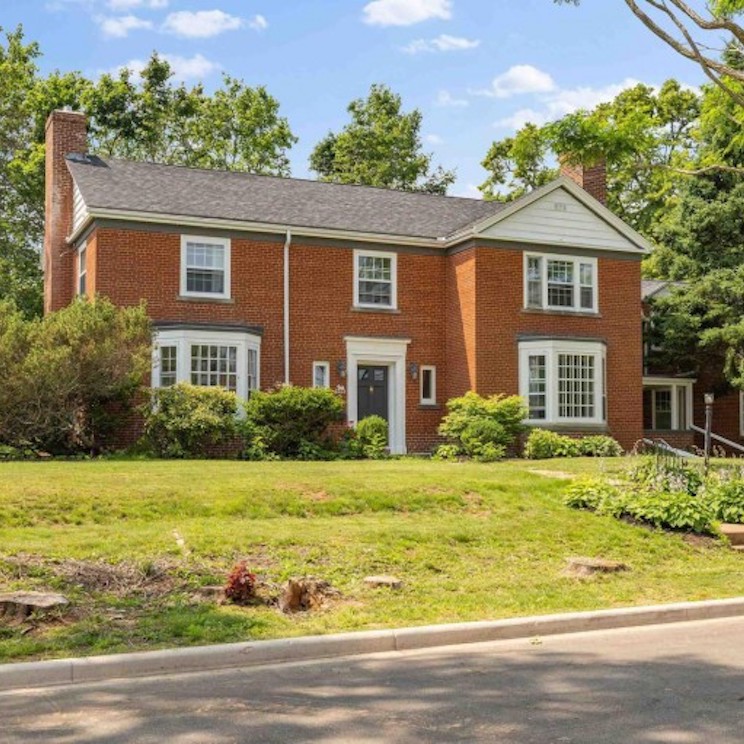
(317,496)
(558,474)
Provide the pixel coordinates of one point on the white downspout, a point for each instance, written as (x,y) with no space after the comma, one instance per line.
(287,244)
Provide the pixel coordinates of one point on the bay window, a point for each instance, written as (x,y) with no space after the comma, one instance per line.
(563,381)
(226,359)
(560,283)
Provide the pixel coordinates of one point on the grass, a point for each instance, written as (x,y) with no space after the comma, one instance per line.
(470,542)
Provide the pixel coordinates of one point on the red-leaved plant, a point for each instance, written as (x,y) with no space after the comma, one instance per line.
(241,584)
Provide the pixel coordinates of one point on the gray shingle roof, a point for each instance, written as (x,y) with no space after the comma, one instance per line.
(189,192)
(657,287)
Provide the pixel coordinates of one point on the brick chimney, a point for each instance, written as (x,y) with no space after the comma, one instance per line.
(66,132)
(591,178)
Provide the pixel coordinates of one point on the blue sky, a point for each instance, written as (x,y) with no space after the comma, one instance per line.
(476,68)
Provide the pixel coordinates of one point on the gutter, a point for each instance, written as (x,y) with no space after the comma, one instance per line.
(287,244)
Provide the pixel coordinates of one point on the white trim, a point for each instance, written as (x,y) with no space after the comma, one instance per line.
(551,349)
(384,352)
(222,242)
(82,273)
(183,339)
(358,253)
(673,384)
(327,367)
(432,400)
(576,261)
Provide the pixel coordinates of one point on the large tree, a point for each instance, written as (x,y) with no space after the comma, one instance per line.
(380,146)
(146,117)
(644,134)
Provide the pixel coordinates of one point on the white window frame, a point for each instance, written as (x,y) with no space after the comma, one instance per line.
(393,279)
(551,349)
(326,366)
(226,245)
(653,384)
(184,338)
(432,400)
(576,261)
(82,273)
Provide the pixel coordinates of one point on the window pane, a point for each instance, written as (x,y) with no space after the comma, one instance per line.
(168,366)
(375,267)
(205,268)
(375,293)
(663,409)
(682,407)
(320,376)
(427,385)
(375,280)
(198,280)
(215,366)
(537,387)
(560,283)
(586,279)
(534,281)
(576,386)
(252,370)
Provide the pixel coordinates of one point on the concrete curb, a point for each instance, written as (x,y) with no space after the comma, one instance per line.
(235,655)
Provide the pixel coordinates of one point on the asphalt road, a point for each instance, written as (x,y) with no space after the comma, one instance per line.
(676,683)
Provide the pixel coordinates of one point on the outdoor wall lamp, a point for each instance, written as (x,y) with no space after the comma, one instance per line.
(341,368)
(709,398)
(414,370)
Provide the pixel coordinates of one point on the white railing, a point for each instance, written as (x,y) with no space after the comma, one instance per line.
(718,438)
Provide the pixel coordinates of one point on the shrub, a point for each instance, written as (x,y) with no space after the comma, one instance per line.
(241,584)
(727,500)
(70,377)
(543,444)
(481,428)
(372,437)
(600,445)
(292,421)
(667,473)
(679,510)
(186,421)
(594,494)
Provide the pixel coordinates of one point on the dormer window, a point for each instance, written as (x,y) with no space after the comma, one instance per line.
(566,283)
(205,267)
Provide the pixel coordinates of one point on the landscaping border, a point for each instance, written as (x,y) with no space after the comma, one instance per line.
(235,655)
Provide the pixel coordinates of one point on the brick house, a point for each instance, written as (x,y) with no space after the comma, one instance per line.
(399,300)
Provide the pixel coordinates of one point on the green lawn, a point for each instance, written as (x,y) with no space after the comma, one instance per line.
(471,542)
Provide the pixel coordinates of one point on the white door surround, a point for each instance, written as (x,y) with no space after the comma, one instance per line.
(382,352)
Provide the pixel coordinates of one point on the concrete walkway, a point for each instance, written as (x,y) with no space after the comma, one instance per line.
(679,684)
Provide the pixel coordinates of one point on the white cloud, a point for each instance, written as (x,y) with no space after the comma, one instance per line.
(258,23)
(447,100)
(434,139)
(442,43)
(184,68)
(405,12)
(201,24)
(120,5)
(120,26)
(564,101)
(518,80)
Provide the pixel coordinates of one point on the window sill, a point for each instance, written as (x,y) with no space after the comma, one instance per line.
(429,407)
(384,310)
(211,300)
(565,313)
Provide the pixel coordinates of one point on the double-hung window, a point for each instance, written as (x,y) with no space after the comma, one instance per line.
(226,359)
(563,381)
(205,267)
(83,269)
(560,283)
(375,280)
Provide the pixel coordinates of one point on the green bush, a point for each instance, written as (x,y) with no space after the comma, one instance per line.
(596,495)
(481,428)
(293,422)
(70,378)
(678,510)
(372,437)
(600,445)
(543,444)
(187,421)
(667,473)
(727,500)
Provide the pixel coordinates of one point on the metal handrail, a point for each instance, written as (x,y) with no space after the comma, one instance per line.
(718,438)
(663,444)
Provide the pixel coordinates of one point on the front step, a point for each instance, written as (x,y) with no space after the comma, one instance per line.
(735,534)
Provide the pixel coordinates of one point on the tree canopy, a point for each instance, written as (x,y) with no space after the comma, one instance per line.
(380,146)
(146,117)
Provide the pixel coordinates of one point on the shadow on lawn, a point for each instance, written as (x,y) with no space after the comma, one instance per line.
(532,695)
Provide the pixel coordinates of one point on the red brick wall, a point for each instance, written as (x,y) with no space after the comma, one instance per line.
(65,133)
(501,319)
(460,326)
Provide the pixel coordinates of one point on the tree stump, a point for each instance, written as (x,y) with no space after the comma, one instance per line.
(15,607)
(582,568)
(301,595)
